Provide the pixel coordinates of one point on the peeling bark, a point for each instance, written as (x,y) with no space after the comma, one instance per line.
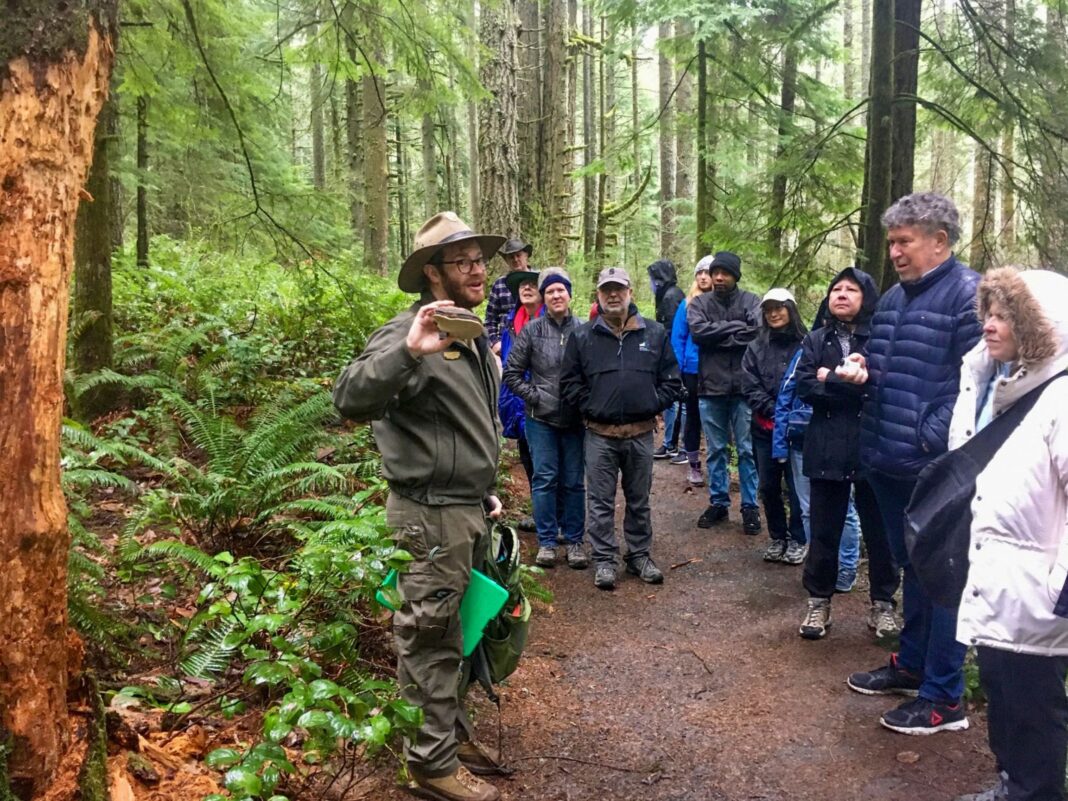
(48,109)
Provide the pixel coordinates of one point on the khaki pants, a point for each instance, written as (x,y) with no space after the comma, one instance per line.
(445,543)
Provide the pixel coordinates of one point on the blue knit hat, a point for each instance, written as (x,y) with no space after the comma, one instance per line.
(554,275)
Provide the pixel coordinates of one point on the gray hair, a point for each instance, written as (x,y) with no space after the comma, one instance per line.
(927,210)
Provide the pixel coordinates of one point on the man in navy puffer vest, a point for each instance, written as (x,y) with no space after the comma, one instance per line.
(922,328)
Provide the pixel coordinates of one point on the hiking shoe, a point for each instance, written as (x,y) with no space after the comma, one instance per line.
(546,557)
(751,520)
(847,580)
(644,568)
(459,786)
(999,792)
(665,452)
(680,457)
(920,716)
(693,475)
(775,551)
(604,578)
(817,619)
(712,515)
(526,524)
(882,621)
(887,680)
(480,759)
(576,557)
(795,553)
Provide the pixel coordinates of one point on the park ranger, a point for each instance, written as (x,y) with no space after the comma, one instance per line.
(429,382)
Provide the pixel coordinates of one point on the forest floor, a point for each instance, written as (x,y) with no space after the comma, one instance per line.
(701,690)
(695,690)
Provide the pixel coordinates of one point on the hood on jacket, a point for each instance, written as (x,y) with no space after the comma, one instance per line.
(663,272)
(1035,303)
(869,291)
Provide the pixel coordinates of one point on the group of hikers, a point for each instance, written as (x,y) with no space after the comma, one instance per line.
(832,425)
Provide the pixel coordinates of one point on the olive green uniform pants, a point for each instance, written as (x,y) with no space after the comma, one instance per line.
(446,542)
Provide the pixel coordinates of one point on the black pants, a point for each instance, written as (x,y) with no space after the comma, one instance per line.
(526,460)
(772,475)
(1027,720)
(829,501)
(691,435)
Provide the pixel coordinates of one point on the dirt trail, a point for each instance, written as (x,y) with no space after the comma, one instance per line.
(700,689)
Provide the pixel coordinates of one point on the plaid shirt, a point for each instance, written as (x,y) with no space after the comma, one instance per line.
(498,308)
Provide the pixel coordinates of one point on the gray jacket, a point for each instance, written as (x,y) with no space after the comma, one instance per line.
(434,418)
(533,369)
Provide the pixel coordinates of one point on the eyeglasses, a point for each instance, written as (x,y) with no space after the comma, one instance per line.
(467,265)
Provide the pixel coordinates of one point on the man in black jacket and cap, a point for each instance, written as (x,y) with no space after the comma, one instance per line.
(620,372)
(723,322)
(663,279)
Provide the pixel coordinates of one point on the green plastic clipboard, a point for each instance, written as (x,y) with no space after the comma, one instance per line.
(481,603)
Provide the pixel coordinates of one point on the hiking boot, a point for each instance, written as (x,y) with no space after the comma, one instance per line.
(604,578)
(459,786)
(644,568)
(694,477)
(712,515)
(817,619)
(546,557)
(751,520)
(665,452)
(999,792)
(920,716)
(795,553)
(576,557)
(526,524)
(887,680)
(882,621)
(481,759)
(847,580)
(775,551)
(680,457)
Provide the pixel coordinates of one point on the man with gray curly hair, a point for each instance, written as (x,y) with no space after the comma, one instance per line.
(921,330)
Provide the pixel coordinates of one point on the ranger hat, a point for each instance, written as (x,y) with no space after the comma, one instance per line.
(516,245)
(444,228)
(613,275)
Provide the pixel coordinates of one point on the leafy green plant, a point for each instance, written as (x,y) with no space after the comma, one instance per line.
(295,628)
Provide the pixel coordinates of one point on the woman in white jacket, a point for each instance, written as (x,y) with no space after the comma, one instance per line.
(1018,556)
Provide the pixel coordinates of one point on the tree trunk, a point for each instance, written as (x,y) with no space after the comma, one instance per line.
(92,347)
(606,131)
(849,67)
(982,210)
(684,130)
(635,141)
(906,65)
(530,123)
(558,191)
(315,94)
(667,145)
(704,206)
(1008,148)
(354,136)
(865,45)
(880,142)
(430,168)
(589,148)
(376,175)
(49,102)
(497,145)
(402,191)
(142,173)
(778,183)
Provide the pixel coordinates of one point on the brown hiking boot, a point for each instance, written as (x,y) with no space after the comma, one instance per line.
(481,759)
(459,786)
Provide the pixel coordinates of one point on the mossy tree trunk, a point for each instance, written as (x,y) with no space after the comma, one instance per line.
(55,61)
(880,140)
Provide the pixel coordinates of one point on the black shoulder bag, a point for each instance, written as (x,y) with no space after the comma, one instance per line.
(938,519)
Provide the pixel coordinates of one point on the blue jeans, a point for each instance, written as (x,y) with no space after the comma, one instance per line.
(557,490)
(673,415)
(929,637)
(722,415)
(849,550)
